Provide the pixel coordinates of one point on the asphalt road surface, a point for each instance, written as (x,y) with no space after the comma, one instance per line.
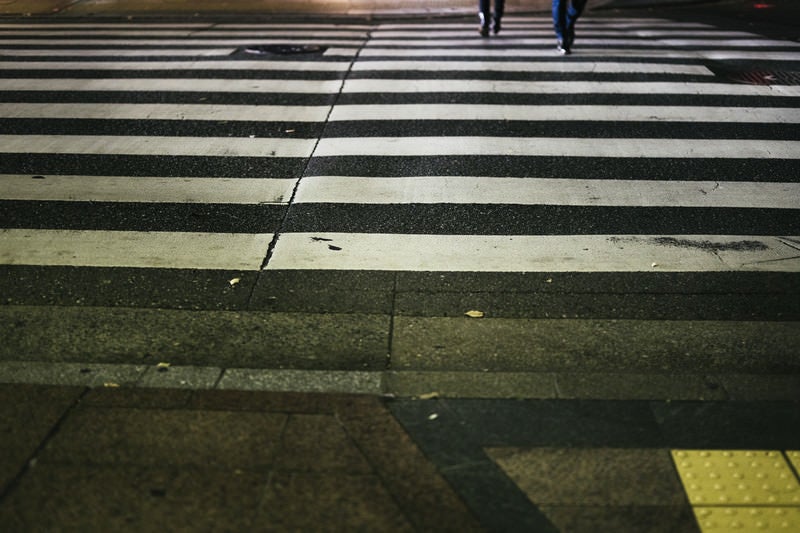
(402,195)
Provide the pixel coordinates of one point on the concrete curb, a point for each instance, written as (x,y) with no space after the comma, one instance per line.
(414,384)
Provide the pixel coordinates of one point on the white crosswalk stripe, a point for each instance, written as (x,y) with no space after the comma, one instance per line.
(375,152)
(573,253)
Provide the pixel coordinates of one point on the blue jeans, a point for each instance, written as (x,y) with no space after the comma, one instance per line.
(565,13)
(484,6)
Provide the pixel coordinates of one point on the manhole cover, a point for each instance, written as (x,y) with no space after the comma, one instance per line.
(281,49)
(759,77)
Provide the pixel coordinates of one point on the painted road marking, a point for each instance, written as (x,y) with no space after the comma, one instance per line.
(377,112)
(557,146)
(544,191)
(139,249)
(541,253)
(254,113)
(527,66)
(558,87)
(466,51)
(143,145)
(147,189)
(625,41)
(767,115)
(332,66)
(174,85)
(116,52)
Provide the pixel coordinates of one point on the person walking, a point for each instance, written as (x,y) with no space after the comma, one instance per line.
(565,14)
(484,13)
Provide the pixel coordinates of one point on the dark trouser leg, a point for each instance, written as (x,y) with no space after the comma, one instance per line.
(560,19)
(484,12)
(572,13)
(499,8)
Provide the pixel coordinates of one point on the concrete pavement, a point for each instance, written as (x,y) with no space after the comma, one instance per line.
(95,459)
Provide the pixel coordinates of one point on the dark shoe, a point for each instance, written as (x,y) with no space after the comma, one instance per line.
(484,29)
(496,24)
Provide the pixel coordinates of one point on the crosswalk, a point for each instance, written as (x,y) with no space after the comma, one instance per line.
(401,147)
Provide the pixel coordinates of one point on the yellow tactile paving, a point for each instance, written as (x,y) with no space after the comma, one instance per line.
(732,478)
(748,519)
(794,457)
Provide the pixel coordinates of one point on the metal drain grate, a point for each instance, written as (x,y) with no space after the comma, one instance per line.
(758,77)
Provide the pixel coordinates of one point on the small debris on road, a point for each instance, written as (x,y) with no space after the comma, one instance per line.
(475,314)
(234,281)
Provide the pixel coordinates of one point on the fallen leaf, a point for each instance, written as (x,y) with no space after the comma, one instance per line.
(429,396)
(162,367)
(110,384)
(474,314)
(433,416)
(234,281)
(654,265)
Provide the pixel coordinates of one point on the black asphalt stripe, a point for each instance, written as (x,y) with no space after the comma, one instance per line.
(770,307)
(717,295)
(123,216)
(585,129)
(566,99)
(645,283)
(756,170)
(159,97)
(162,288)
(504,219)
(598,295)
(166,128)
(136,165)
(400,128)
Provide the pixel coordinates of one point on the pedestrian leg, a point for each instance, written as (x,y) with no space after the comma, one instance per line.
(572,13)
(560,25)
(499,8)
(484,13)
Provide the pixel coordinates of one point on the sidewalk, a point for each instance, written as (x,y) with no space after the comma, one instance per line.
(111,459)
(138,459)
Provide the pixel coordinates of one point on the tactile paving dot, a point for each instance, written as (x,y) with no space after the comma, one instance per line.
(747,519)
(727,477)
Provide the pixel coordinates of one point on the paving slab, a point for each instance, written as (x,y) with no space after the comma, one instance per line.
(153,437)
(28,413)
(131,498)
(592,477)
(145,458)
